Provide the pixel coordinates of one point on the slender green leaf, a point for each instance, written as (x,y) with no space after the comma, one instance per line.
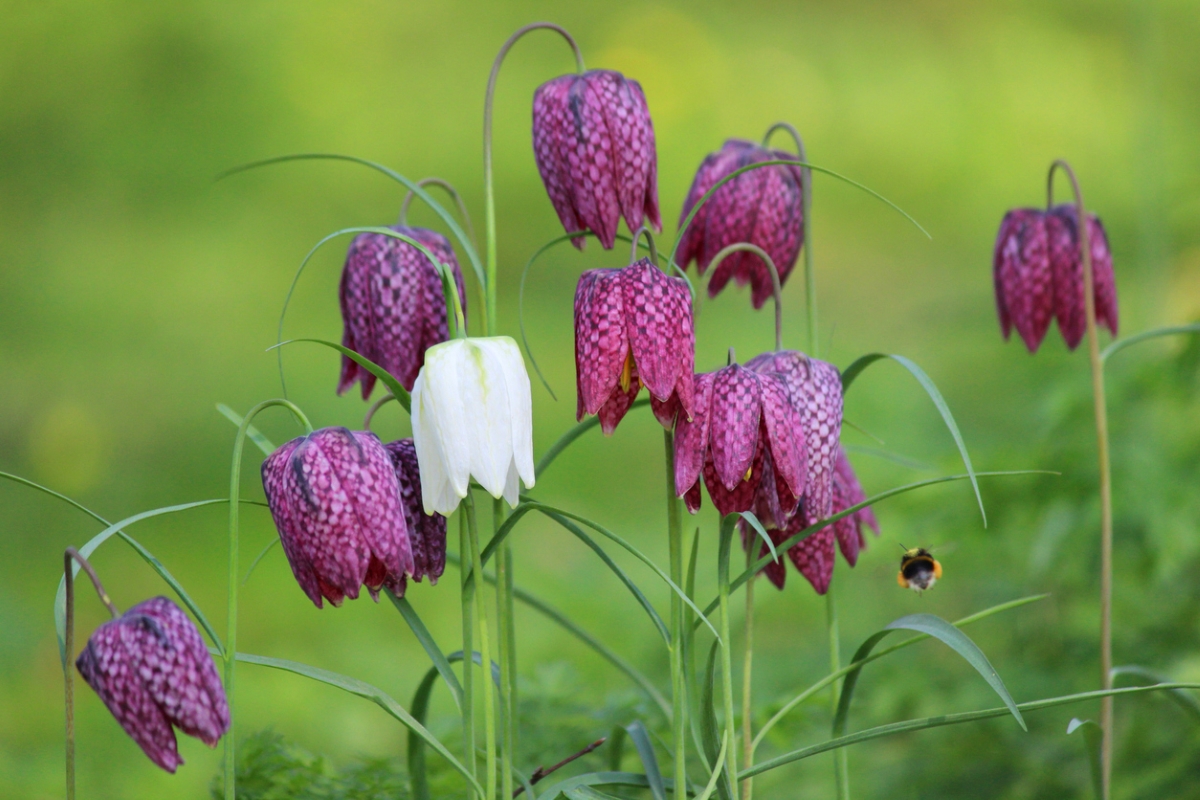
(1141,676)
(565,622)
(1121,344)
(938,628)
(502,533)
(946,719)
(708,723)
(762,533)
(367,692)
(252,433)
(46,490)
(927,384)
(370,366)
(645,748)
(1093,736)
(431,648)
(257,559)
(616,747)
(597,779)
(887,455)
(574,433)
(716,773)
(116,529)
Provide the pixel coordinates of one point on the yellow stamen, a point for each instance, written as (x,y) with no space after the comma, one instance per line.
(627,371)
(749,470)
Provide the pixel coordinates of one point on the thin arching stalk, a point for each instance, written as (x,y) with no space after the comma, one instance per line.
(235,478)
(70,555)
(1101,412)
(776,289)
(458,201)
(679,706)
(810,278)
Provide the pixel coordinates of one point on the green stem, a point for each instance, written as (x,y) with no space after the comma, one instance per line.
(505,642)
(776,289)
(489,191)
(810,278)
(485,652)
(679,707)
(462,207)
(235,479)
(747,707)
(841,773)
(1106,533)
(727,526)
(468,646)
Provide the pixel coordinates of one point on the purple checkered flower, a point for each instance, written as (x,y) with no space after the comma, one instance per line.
(763,206)
(633,327)
(1038,275)
(594,145)
(337,505)
(152,670)
(392,303)
(743,433)
(426,532)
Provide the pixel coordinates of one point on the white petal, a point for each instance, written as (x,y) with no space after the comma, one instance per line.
(430,457)
(512,488)
(443,403)
(489,414)
(520,405)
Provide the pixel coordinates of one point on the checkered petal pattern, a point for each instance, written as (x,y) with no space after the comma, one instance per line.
(426,532)
(1062,224)
(152,670)
(633,323)
(593,141)
(763,207)
(393,309)
(337,505)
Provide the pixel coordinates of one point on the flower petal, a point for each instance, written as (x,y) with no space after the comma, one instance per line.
(1023,274)
(550,120)
(691,436)
(658,316)
(736,411)
(520,404)
(601,338)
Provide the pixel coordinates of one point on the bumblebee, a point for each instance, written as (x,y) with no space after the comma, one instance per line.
(919,570)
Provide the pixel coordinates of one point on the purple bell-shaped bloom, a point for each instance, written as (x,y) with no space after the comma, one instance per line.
(393,308)
(743,433)
(337,505)
(152,670)
(594,146)
(633,327)
(1038,275)
(426,532)
(763,206)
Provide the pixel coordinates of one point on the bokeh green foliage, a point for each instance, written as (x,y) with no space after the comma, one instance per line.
(136,293)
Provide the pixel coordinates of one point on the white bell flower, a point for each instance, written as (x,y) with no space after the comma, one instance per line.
(472,417)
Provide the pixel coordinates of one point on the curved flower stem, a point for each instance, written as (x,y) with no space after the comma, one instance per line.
(235,479)
(776,289)
(679,705)
(633,246)
(507,654)
(747,665)
(489,192)
(462,207)
(468,638)
(810,278)
(727,525)
(375,407)
(485,651)
(71,554)
(1101,412)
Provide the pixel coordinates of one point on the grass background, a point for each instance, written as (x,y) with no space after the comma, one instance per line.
(136,293)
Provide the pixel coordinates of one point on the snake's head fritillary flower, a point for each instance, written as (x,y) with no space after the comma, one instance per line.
(393,308)
(633,327)
(151,669)
(594,145)
(426,532)
(743,432)
(813,556)
(763,206)
(472,418)
(1021,271)
(814,389)
(336,503)
(1066,266)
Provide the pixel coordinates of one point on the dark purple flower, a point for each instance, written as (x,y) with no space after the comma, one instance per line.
(763,206)
(743,433)
(633,327)
(337,506)
(152,670)
(1066,266)
(426,532)
(1038,275)
(594,145)
(392,303)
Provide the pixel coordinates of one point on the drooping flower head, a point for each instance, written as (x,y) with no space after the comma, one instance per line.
(336,503)
(151,669)
(393,308)
(594,145)
(426,532)
(743,434)
(1038,275)
(472,417)
(763,206)
(633,327)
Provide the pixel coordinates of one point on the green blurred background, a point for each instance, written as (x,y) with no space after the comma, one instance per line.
(136,293)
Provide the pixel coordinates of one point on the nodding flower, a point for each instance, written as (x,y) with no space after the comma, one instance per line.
(336,503)
(594,145)
(426,532)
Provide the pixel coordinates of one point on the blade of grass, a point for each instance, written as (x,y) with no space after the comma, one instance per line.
(1121,344)
(385,377)
(440,662)
(252,433)
(1141,676)
(645,748)
(762,533)
(1093,735)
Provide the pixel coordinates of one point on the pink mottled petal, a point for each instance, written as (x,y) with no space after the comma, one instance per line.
(588,153)
(628,120)
(785,434)
(658,318)
(550,122)
(665,411)
(741,496)
(1102,273)
(601,339)
(276,470)
(1023,269)
(427,532)
(691,498)
(692,435)
(618,403)
(734,428)
(813,557)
